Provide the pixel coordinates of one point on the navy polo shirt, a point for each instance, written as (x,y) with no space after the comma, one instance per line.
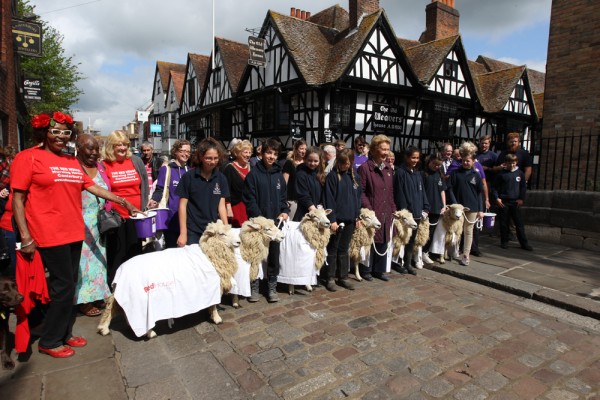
(203,198)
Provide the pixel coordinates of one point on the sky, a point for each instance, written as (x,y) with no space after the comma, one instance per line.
(117,43)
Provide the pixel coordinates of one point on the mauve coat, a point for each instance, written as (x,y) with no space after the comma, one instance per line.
(378,195)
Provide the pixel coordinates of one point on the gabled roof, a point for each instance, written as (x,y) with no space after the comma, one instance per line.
(407,43)
(537,80)
(164,68)
(178,79)
(426,58)
(538,100)
(492,65)
(494,88)
(200,65)
(334,17)
(235,59)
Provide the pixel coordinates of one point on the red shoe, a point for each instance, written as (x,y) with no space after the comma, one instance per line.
(76,341)
(63,352)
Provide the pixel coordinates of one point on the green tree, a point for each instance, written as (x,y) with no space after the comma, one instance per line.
(59,73)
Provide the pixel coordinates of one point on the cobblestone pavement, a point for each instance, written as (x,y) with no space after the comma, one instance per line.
(427,337)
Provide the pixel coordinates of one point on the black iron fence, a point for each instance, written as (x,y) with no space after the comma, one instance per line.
(567,161)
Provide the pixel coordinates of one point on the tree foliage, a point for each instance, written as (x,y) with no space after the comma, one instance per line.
(59,73)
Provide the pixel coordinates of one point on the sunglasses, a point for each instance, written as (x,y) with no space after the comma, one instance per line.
(60,132)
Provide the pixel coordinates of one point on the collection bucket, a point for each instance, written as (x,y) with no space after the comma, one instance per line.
(162,215)
(488,220)
(145,226)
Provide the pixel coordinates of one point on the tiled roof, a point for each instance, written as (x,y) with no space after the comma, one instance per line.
(538,100)
(178,79)
(200,64)
(477,68)
(407,43)
(335,17)
(492,65)
(537,80)
(426,58)
(494,88)
(235,59)
(164,68)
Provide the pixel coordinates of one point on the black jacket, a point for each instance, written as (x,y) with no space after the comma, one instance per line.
(465,187)
(510,185)
(409,192)
(265,192)
(309,190)
(342,196)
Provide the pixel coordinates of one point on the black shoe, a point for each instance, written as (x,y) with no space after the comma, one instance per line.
(504,245)
(398,268)
(411,271)
(367,277)
(476,253)
(380,276)
(527,247)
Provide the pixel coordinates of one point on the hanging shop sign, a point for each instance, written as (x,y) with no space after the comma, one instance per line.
(27,38)
(32,89)
(257,52)
(155,128)
(388,117)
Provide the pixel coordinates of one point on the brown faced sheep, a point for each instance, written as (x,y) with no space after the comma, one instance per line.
(421,239)
(315,229)
(175,282)
(362,238)
(404,224)
(255,236)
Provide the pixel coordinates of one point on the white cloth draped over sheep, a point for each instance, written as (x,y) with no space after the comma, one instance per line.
(242,276)
(166,284)
(296,258)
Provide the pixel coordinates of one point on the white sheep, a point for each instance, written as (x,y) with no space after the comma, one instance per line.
(255,236)
(421,239)
(362,238)
(315,230)
(404,224)
(172,283)
(447,233)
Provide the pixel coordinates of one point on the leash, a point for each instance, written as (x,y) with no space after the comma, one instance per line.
(478,222)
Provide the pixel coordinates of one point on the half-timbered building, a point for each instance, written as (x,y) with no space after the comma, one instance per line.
(160,91)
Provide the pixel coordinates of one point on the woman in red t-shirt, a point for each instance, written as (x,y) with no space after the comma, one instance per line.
(47,186)
(128,179)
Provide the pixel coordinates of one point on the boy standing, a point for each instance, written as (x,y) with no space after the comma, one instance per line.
(265,194)
(509,191)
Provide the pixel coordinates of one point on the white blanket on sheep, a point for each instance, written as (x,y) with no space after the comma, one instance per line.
(438,242)
(296,257)
(242,276)
(166,284)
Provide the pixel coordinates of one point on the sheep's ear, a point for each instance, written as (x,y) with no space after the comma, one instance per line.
(328,211)
(254,225)
(219,222)
(466,209)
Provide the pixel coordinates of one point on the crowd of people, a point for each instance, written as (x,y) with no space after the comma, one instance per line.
(51,201)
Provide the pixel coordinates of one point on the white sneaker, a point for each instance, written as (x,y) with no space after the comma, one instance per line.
(426,259)
(464,261)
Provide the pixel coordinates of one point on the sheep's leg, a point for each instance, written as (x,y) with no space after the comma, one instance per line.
(357,272)
(151,334)
(419,257)
(103,326)
(235,300)
(309,288)
(214,315)
(291,289)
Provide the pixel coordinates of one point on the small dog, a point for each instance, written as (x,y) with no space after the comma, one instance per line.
(9,299)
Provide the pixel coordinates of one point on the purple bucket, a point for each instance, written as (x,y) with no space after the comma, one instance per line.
(488,220)
(145,226)
(162,216)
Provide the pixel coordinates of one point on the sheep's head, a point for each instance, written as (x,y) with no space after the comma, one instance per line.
(222,232)
(405,217)
(455,211)
(318,216)
(265,227)
(368,218)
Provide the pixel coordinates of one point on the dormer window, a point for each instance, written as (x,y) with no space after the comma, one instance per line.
(217,77)
(451,69)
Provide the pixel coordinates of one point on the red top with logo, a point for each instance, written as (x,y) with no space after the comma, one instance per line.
(53,206)
(124,182)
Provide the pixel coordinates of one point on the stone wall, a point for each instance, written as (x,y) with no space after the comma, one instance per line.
(563,217)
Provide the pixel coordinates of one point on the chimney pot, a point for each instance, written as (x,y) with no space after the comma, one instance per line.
(308,15)
(293,12)
(303,15)
(298,13)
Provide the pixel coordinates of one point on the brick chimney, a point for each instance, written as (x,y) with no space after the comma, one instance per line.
(441,20)
(358,8)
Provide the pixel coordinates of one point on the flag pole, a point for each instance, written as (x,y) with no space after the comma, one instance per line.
(213,34)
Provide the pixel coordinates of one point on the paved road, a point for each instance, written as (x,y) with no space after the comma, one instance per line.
(433,336)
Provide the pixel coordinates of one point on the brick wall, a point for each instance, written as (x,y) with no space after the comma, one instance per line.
(441,21)
(571,101)
(8,108)
(359,7)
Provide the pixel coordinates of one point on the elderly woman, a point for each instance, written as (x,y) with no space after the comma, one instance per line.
(128,179)
(169,177)
(236,173)
(91,285)
(377,180)
(47,186)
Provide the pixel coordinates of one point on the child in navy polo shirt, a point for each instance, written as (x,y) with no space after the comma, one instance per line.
(202,193)
(509,191)
(265,194)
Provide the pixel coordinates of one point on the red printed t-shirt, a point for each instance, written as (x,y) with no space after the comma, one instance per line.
(53,206)
(124,182)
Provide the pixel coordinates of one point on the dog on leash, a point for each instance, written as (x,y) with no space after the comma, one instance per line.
(9,299)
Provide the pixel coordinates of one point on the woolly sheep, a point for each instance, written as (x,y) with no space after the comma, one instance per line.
(404,224)
(362,238)
(421,239)
(315,228)
(188,269)
(255,236)
(452,223)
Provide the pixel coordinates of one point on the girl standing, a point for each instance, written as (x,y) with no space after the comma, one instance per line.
(310,178)
(342,196)
(435,189)
(202,193)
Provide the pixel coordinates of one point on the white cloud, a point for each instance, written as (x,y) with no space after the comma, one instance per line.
(118,42)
